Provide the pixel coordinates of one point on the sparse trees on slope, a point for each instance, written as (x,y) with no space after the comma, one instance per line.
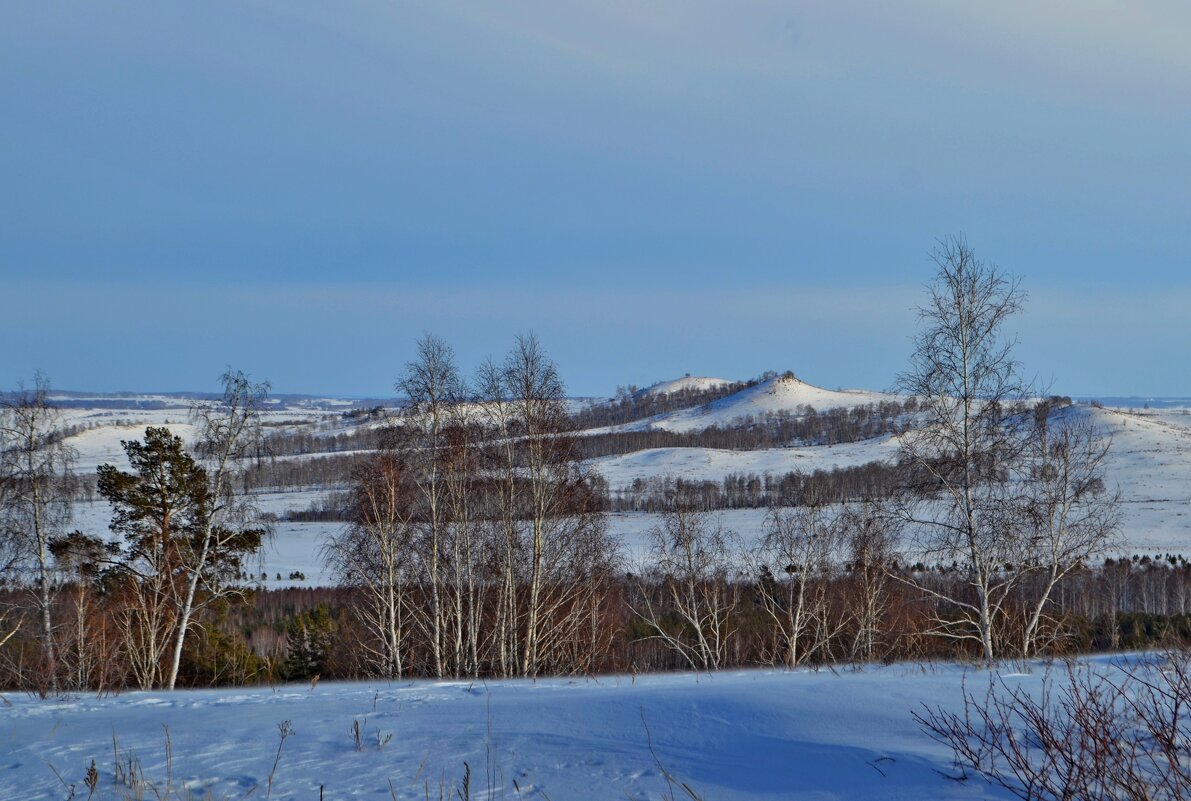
(35,498)
(966,380)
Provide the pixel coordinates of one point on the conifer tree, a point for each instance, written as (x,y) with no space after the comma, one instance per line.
(158,510)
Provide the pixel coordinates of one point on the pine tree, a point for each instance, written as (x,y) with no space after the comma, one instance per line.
(308,637)
(157,509)
(163,511)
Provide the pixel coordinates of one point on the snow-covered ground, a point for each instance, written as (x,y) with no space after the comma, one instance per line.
(757,734)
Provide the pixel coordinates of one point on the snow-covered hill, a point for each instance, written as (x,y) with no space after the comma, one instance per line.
(183,400)
(1150,459)
(784,393)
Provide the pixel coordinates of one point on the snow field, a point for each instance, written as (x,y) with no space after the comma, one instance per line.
(758,734)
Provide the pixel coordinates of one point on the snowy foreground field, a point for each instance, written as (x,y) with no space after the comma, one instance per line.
(738,735)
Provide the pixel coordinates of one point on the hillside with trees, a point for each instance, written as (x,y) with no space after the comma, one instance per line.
(471,524)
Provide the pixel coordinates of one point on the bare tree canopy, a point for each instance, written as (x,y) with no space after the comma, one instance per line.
(1008,493)
(965,377)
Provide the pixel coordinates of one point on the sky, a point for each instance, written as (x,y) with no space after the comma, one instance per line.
(302,189)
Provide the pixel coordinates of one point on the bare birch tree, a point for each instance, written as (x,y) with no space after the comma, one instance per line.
(229,432)
(966,381)
(35,498)
(546,522)
(560,529)
(501,514)
(800,558)
(1069,514)
(375,553)
(870,540)
(691,561)
(462,463)
(434,389)
(538,403)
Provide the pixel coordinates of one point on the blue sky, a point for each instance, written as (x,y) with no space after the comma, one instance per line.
(301,189)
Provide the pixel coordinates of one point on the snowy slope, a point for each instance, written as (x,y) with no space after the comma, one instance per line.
(101,445)
(711,464)
(105,428)
(739,735)
(1150,461)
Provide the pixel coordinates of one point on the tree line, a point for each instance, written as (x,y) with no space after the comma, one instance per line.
(296,634)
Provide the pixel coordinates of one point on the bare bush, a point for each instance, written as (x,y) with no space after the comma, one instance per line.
(1119,735)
